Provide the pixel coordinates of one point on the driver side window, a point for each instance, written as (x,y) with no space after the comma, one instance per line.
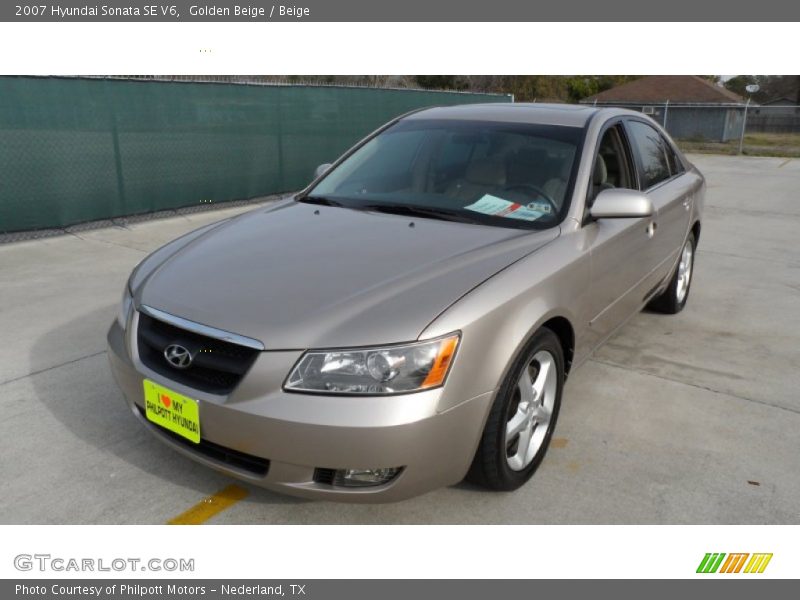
(611,165)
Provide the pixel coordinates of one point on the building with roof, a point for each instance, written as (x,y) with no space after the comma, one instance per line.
(686,105)
(779,106)
(779,115)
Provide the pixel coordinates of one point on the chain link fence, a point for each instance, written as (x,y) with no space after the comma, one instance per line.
(85,149)
(763,130)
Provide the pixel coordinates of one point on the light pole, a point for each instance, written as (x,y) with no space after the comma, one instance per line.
(751,89)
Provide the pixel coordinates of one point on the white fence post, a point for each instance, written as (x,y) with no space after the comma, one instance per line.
(744,125)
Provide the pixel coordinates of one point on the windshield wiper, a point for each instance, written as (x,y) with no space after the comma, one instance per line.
(321,200)
(443,214)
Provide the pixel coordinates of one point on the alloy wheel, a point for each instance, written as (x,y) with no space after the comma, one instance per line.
(684,272)
(531,410)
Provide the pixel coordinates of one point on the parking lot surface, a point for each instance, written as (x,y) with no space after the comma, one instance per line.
(693,418)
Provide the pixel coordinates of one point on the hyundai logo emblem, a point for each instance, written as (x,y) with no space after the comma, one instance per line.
(178,356)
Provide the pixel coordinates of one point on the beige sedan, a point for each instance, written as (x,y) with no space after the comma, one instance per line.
(410,318)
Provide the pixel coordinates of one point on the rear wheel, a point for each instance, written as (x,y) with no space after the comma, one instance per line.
(523,416)
(673,299)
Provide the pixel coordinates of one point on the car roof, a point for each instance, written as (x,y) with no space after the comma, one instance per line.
(569,115)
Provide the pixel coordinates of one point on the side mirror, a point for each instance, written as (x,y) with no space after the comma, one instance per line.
(620,203)
(321,170)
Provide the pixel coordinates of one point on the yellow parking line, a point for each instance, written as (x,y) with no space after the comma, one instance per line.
(784,163)
(208,507)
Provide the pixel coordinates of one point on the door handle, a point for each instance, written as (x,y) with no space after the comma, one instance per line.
(651,229)
(687,203)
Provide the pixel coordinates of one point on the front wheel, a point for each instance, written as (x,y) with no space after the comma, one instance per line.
(673,299)
(523,416)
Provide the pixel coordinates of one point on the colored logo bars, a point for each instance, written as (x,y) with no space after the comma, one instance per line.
(733,563)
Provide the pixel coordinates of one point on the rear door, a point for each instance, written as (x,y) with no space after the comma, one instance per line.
(661,177)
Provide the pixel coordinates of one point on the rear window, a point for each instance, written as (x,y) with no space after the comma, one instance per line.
(650,148)
(675,164)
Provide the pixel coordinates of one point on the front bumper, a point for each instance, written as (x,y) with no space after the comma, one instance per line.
(296,434)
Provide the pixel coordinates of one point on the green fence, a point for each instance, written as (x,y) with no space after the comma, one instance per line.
(74,150)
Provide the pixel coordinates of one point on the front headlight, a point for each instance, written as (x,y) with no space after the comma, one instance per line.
(387,370)
(125,307)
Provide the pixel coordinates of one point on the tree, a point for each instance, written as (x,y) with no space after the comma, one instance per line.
(770,86)
(440,82)
(739,84)
(584,86)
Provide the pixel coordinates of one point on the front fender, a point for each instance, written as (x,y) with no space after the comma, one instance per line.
(498,317)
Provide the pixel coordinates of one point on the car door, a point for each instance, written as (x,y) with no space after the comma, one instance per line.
(620,249)
(661,176)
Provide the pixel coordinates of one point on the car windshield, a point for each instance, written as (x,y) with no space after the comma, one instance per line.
(504,174)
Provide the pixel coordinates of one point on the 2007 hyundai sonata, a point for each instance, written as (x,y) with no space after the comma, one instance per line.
(409,319)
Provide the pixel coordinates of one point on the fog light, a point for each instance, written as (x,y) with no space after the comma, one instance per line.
(365,477)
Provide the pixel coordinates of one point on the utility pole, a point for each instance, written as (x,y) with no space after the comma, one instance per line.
(751,89)
(744,125)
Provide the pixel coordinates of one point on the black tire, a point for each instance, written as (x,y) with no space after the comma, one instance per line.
(668,302)
(490,467)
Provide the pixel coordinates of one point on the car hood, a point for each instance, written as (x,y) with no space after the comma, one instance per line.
(298,276)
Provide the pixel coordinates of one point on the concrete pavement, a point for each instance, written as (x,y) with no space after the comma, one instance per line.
(693,418)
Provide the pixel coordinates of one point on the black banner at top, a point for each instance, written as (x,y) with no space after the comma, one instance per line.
(402,10)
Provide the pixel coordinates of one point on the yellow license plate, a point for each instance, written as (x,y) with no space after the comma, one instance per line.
(172,411)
